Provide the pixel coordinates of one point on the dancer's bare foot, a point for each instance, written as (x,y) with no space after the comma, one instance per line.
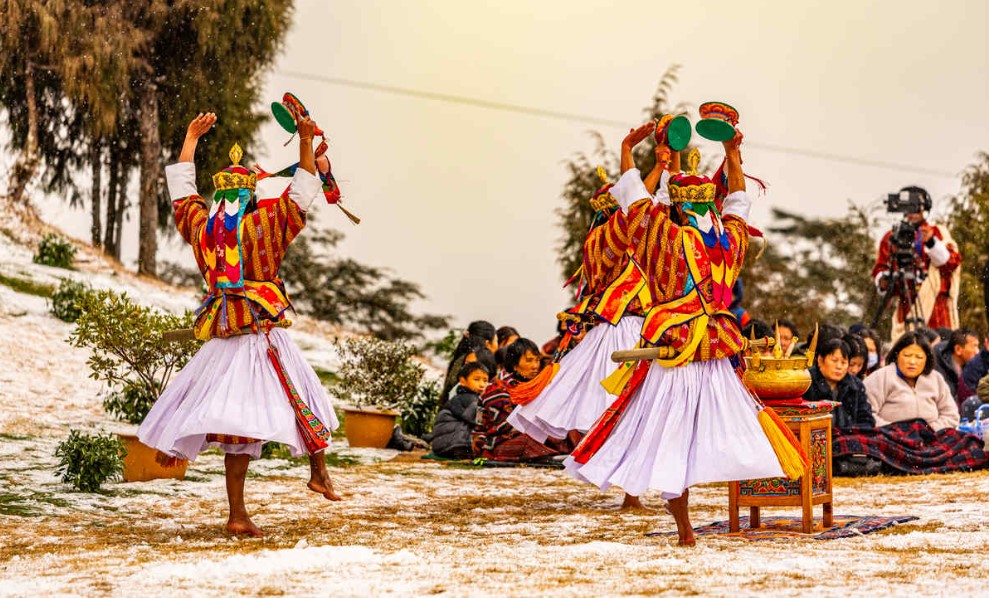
(324,487)
(243,526)
(678,508)
(319,478)
(632,503)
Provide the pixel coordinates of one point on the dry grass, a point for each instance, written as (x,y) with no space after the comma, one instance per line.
(443,530)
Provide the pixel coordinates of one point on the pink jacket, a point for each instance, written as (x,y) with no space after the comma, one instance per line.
(893,400)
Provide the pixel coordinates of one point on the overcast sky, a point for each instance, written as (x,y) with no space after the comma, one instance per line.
(461,198)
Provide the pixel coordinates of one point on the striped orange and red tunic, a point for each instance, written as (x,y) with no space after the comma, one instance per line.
(265,234)
(689,282)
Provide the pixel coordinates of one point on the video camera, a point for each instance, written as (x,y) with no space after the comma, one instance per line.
(903,273)
(909,200)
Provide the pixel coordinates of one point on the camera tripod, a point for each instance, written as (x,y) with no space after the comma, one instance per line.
(902,283)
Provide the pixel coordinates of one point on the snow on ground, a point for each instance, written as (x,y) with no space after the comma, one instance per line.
(406,526)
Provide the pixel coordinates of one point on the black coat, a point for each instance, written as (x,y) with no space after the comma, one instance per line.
(944,362)
(854,410)
(454,422)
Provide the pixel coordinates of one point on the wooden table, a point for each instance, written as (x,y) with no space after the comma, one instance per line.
(812,427)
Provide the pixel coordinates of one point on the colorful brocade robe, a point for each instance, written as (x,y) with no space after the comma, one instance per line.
(689,275)
(614,283)
(241,270)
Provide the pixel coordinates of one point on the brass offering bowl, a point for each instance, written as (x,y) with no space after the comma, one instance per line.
(773,378)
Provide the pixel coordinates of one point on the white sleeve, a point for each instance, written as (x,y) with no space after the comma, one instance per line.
(737,204)
(305,188)
(181,180)
(939,253)
(629,189)
(663,191)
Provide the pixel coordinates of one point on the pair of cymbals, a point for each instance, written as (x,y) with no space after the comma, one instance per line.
(717,123)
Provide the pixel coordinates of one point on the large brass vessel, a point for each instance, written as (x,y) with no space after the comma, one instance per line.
(778,376)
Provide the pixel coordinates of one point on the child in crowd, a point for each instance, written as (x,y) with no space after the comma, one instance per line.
(455,420)
(858,353)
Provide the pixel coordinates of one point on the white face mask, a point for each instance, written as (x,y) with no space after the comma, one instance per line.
(873,361)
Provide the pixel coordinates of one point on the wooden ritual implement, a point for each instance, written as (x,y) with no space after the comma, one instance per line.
(668,352)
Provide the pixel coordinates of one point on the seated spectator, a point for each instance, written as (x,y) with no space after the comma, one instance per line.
(455,419)
(950,357)
(506,336)
(856,356)
(916,419)
(874,349)
(493,437)
(909,388)
(825,332)
(788,330)
(974,371)
(972,404)
(831,381)
(479,334)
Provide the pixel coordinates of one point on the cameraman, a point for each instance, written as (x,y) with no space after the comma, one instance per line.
(933,284)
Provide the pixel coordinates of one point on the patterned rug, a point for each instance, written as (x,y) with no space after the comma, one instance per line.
(777,528)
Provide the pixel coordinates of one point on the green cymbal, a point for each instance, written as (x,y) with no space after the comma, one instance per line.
(283,116)
(678,133)
(715,129)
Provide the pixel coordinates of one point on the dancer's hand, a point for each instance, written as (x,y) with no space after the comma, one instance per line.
(635,136)
(197,128)
(200,125)
(663,153)
(733,144)
(306,128)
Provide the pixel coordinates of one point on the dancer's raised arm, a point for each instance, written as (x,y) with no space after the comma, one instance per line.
(733,163)
(307,159)
(634,137)
(197,128)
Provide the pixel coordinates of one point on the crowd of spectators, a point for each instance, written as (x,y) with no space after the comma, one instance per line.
(900,407)
(903,406)
(487,367)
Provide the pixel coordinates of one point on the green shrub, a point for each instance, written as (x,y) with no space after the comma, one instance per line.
(66,300)
(87,461)
(56,251)
(131,404)
(376,373)
(419,412)
(127,347)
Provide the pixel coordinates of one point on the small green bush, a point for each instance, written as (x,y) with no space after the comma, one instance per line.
(419,412)
(66,300)
(131,404)
(87,461)
(378,374)
(127,349)
(55,251)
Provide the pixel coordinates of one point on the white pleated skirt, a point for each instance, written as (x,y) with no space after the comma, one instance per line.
(230,387)
(574,399)
(686,425)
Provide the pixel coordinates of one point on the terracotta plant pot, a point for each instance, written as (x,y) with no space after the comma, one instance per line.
(143,463)
(368,428)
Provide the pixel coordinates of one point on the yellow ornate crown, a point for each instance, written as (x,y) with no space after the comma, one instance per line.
(235,176)
(603,199)
(690,186)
